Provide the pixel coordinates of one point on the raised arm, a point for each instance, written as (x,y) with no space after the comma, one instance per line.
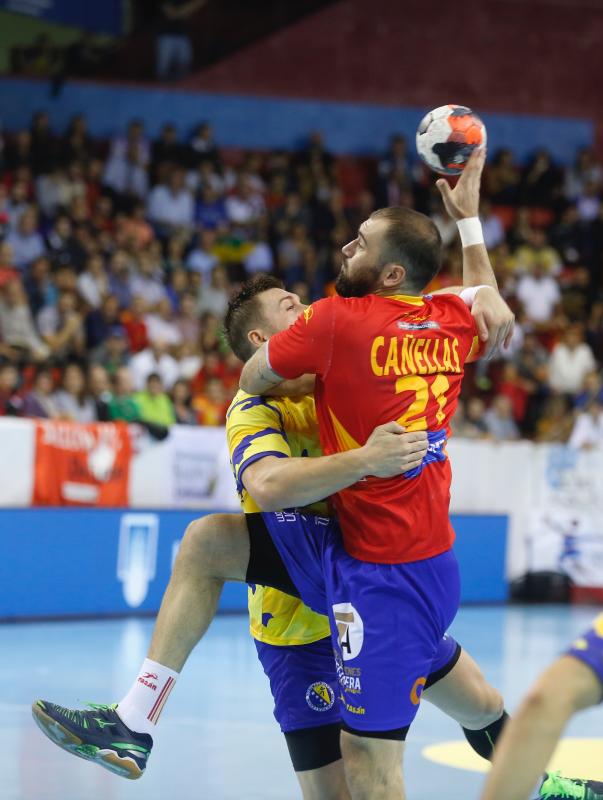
(257,376)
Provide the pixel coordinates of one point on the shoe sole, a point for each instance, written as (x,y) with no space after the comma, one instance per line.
(66,740)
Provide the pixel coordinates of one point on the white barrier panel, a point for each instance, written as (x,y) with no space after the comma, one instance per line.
(552,495)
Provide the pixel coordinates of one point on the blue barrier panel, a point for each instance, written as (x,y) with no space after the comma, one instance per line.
(268,122)
(69,562)
(106,17)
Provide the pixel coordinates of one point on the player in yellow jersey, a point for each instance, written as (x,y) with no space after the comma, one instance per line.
(571,684)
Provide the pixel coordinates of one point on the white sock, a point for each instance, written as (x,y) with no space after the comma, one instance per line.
(141,707)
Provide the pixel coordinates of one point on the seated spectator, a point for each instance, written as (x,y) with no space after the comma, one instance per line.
(538,251)
(17,327)
(586,169)
(588,201)
(62,327)
(26,242)
(517,389)
(72,401)
(210,208)
(245,205)
(40,287)
(146,281)
(181,399)
(188,320)
(134,228)
(135,326)
(494,232)
(154,404)
(126,174)
(113,352)
(539,295)
(587,433)
(215,297)
(472,424)
(93,283)
(174,254)
(571,361)
(154,360)
(211,406)
(499,420)
(100,321)
(171,204)
(10,405)
(40,401)
(592,390)
(502,178)
(541,183)
(134,138)
(202,258)
(555,423)
(63,246)
(166,152)
(202,146)
(119,278)
(8,271)
(100,391)
(162,325)
(122,405)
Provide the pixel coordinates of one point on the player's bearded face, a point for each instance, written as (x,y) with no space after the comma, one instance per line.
(359,274)
(361,281)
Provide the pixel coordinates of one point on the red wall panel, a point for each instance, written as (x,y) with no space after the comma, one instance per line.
(531,56)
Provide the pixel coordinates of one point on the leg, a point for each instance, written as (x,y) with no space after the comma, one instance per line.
(466,696)
(373,767)
(214,549)
(530,737)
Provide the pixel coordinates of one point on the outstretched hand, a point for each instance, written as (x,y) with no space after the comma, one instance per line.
(463,201)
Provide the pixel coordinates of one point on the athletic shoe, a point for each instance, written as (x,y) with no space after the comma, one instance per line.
(555,787)
(98,735)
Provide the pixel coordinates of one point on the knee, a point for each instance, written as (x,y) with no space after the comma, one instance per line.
(488,709)
(197,546)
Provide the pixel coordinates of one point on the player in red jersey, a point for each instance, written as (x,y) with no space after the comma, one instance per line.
(382,351)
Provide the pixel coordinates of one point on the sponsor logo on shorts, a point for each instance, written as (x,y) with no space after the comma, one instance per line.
(350,630)
(348,677)
(320,696)
(358,710)
(417,691)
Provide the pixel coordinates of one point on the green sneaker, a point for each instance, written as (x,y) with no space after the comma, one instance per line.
(97,735)
(556,787)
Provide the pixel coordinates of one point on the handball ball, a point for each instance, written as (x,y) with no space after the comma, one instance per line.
(447,136)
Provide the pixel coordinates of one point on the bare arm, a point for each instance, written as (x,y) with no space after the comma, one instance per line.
(257,377)
(294,388)
(276,483)
(530,737)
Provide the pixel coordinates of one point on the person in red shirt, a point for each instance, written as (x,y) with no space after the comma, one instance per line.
(383,353)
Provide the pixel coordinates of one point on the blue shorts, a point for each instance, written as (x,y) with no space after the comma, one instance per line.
(589,648)
(388,621)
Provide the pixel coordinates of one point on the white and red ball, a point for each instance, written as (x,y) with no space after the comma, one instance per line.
(447,136)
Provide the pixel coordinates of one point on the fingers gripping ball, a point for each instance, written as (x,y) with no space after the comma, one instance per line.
(447,136)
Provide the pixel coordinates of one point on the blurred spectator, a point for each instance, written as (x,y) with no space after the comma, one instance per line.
(93,283)
(166,152)
(126,173)
(588,201)
(113,352)
(503,178)
(537,252)
(135,325)
(72,401)
(174,47)
(154,360)
(592,390)
(9,380)
(539,294)
(64,248)
(202,258)
(119,278)
(586,170)
(40,287)
(472,424)
(123,405)
(181,399)
(171,204)
(162,325)
(100,321)
(203,146)
(211,406)
(499,419)
(146,281)
(245,204)
(100,391)
(588,429)
(541,182)
(135,229)
(26,242)
(17,326)
(62,328)
(40,402)
(494,232)
(7,267)
(571,361)
(210,208)
(188,320)
(215,297)
(555,423)
(154,404)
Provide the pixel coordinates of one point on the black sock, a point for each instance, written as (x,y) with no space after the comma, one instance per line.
(483,740)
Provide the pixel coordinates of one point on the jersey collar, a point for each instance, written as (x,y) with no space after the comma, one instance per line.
(412,300)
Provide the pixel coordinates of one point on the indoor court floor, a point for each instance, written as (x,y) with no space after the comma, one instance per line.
(217,739)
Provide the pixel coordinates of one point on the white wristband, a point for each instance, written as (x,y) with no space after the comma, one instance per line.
(470,230)
(468,294)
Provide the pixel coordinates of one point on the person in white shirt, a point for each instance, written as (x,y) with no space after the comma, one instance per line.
(171,204)
(93,283)
(539,294)
(162,325)
(587,432)
(571,361)
(154,359)
(146,282)
(26,242)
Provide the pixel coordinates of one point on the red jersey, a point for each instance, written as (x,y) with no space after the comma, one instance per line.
(379,359)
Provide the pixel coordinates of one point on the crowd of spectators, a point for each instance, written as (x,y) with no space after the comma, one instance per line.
(118,259)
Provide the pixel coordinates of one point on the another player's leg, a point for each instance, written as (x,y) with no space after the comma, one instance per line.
(531,735)
(214,549)
(373,766)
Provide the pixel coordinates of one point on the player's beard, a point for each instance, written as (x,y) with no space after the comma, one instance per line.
(364,281)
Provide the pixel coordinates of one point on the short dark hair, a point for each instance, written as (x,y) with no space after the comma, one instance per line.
(245,312)
(413,241)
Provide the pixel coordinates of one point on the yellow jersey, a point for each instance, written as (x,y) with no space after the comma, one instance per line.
(283,427)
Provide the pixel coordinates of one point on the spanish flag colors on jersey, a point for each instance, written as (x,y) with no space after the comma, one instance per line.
(257,427)
(379,359)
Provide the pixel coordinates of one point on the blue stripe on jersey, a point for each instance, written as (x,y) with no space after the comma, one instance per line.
(239,451)
(256,400)
(251,460)
(436,441)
